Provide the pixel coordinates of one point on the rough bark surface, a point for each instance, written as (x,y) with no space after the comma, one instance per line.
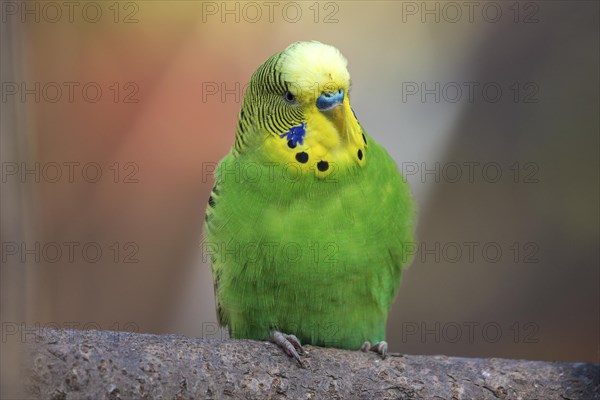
(68,364)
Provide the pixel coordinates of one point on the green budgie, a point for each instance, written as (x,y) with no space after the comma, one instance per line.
(309,221)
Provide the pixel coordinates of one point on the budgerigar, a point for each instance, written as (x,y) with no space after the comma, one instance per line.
(309,220)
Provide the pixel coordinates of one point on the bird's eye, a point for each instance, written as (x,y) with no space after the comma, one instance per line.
(289,97)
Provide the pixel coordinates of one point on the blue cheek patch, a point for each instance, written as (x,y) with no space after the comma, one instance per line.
(295,135)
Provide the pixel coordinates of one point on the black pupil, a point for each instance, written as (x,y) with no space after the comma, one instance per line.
(289,96)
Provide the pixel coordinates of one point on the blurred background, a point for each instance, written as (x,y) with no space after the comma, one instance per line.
(113,116)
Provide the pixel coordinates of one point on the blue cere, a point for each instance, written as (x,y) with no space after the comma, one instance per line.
(295,135)
(327,100)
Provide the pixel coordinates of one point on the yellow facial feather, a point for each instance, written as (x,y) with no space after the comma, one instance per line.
(333,139)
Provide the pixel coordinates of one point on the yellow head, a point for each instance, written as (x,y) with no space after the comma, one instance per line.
(298,100)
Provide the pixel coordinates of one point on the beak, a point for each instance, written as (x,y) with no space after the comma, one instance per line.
(332,106)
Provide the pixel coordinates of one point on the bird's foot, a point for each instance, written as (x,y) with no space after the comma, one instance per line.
(289,343)
(380,348)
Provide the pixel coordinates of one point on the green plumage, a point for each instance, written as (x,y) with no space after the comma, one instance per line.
(318,257)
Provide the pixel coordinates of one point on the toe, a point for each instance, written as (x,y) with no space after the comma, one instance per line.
(295,342)
(366,346)
(284,342)
(381,348)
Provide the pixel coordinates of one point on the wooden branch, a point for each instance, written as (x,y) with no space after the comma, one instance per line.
(69,364)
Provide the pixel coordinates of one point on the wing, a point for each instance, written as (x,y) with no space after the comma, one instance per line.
(216,271)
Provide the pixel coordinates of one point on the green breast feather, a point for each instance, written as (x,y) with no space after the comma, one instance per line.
(296,248)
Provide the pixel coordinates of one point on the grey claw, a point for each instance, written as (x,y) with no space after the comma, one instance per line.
(295,342)
(380,348)
(289,344)
(366,346)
